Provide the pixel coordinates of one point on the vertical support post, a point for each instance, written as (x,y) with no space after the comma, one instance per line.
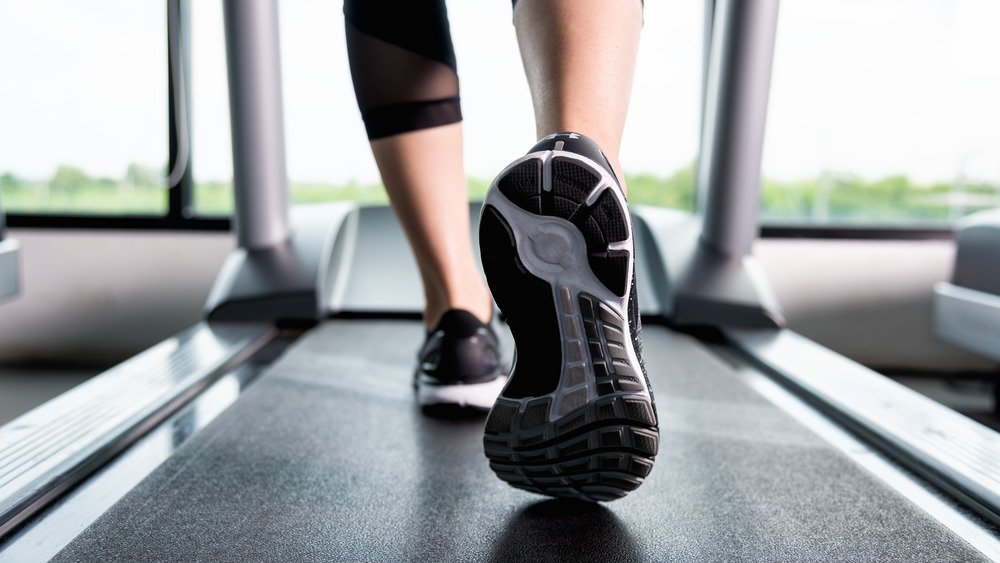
(732,137)
(256,115)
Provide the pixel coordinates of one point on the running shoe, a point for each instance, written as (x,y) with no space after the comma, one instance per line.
(576,418)
(458,366)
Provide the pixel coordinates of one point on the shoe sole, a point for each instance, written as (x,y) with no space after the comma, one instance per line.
(576,418)
(471,396)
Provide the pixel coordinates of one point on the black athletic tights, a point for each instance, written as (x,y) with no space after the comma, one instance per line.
(403,64)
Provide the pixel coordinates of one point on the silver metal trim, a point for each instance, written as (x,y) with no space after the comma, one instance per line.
(49,449)
(943,509)
(257,120)
(968,318)
(45,536)
(955,452)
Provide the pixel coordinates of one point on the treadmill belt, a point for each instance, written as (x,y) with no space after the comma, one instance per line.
(326,457)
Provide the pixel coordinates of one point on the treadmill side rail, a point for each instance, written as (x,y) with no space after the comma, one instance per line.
(950,450)
(49,449)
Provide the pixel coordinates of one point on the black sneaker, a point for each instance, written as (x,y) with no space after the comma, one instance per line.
(576,418)
(458,367)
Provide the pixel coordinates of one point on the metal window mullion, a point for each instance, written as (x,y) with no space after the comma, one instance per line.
(179,178)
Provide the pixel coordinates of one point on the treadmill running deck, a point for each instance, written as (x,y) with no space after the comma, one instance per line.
(327,457)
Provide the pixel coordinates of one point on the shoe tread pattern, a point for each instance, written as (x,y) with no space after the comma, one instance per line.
(605,448)
(598,452)
(601,223)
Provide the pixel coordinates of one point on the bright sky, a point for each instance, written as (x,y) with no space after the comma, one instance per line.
(871,87)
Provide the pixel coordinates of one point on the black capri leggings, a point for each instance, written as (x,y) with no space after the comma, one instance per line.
(403,64)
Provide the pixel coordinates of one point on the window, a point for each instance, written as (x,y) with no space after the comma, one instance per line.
(327,150)
(83,107)
(86,127)
(660,146)
(883,113)
(211,144)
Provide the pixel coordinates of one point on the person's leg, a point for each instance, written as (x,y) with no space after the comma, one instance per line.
(579,58)
(406,81)
(405,78)
(422,171)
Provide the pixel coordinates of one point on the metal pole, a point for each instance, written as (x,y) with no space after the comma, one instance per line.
(255,106)
(739,78)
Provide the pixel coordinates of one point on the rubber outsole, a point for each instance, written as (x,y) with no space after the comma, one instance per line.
(576,418)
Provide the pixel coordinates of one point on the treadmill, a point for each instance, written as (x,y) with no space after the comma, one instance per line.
(283,426)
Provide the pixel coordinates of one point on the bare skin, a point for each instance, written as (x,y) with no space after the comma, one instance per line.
(579,58)
(425,177)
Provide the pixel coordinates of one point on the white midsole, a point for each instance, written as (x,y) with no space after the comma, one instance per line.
(477,395)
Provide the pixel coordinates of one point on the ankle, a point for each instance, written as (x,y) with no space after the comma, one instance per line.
(480,304)
(608,144)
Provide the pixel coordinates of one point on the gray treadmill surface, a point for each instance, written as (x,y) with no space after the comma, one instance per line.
(326,457)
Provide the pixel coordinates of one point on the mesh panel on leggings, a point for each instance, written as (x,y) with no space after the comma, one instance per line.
(403,65)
